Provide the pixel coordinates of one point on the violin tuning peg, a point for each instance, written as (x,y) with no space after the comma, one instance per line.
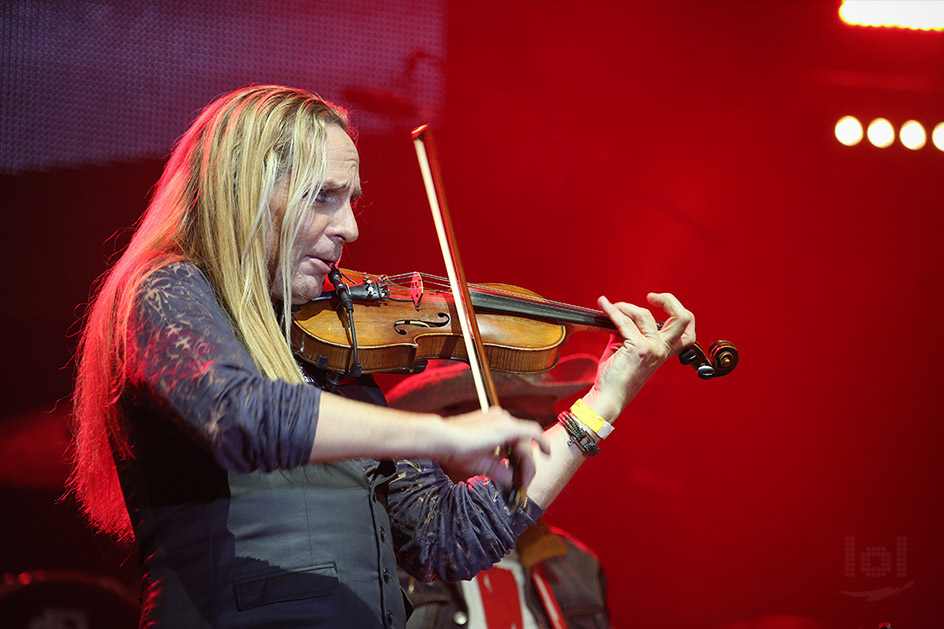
(724,357)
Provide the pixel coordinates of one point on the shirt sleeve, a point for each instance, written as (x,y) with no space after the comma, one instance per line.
(447,530)
(188,362)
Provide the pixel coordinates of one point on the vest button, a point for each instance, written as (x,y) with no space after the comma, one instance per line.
(389,617)
(386,576)
(383,535)
(460,618)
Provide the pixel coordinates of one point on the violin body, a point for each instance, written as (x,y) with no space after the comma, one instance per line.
(399,329)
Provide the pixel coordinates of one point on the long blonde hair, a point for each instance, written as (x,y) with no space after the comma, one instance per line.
(210,207)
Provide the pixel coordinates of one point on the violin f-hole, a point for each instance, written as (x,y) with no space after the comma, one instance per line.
(419,323)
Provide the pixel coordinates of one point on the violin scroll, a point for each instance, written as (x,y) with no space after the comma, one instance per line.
(721,359)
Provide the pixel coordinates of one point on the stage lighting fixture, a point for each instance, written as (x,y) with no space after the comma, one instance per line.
(881,133)
(912,135)
(849,130)
(937,136)
(925,15)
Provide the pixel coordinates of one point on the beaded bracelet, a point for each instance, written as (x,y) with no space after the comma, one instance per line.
(578,436)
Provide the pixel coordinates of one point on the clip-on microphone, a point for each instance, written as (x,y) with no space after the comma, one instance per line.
(344,295)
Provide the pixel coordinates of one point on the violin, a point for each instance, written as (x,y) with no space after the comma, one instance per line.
(379,323)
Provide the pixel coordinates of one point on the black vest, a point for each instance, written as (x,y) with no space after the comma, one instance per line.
(307,547)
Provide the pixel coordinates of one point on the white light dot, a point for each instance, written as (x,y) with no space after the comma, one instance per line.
(849,131)
(916,14)
(881,133)
(937,136)
(912,135)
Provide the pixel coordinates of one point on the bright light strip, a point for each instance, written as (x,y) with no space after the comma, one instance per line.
(881,133)
(912,135)
(849,131)
(937,136)
(925,15)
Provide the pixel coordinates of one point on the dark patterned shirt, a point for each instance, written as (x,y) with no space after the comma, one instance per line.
(235,528)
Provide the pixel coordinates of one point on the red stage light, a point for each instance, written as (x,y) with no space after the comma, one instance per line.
(925,15)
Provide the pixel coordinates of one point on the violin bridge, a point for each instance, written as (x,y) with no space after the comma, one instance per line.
(416,289)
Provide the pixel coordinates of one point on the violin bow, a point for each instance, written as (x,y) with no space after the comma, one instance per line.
(427,156)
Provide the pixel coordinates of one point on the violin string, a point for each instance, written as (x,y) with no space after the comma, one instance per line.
(537,300)
(440,283)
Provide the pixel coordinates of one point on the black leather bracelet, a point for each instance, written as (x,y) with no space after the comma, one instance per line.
(578,436)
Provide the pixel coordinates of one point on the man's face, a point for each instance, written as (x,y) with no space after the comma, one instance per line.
(325,226)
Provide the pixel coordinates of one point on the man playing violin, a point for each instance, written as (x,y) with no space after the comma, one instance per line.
(255,497)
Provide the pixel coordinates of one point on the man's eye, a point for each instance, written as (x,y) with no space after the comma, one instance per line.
(321,197)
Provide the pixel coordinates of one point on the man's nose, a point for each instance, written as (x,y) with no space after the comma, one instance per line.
(345,225)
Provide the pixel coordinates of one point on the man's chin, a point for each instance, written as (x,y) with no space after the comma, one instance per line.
(307,292)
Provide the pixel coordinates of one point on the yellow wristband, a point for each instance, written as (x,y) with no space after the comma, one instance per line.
(591,420)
